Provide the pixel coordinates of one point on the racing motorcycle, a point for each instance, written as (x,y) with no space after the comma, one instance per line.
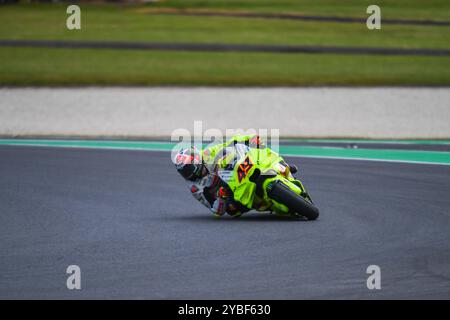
(260,179)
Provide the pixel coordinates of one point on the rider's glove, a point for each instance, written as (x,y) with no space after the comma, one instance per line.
(222,193)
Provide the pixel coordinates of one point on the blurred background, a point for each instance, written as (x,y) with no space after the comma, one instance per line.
(289,55)
(406,24)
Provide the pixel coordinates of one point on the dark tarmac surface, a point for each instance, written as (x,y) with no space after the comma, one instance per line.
(128,220)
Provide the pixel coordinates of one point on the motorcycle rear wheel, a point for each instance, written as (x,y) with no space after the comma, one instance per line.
(282,194)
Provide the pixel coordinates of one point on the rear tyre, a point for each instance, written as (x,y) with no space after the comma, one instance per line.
(280,193)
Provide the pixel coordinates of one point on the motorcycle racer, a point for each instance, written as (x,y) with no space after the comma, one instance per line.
(197,168)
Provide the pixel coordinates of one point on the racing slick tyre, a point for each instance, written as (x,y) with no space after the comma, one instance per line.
(282,194)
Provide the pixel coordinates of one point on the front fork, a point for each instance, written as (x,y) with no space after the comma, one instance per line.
(281,173)
(304,193)
(293,184)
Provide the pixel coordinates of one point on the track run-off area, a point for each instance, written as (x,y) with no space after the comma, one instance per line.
(334,149)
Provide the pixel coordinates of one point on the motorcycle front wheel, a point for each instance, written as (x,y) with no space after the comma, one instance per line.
(280,193)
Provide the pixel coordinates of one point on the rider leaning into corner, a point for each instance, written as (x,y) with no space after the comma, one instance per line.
(196,167)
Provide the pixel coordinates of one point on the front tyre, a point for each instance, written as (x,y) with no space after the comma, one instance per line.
(280,193)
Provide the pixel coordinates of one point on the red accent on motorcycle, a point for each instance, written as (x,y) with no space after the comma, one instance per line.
(194,189)
(255,140)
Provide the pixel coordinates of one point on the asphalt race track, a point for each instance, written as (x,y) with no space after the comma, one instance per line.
(127,219)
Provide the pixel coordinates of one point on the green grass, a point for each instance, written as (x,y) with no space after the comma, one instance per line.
(102,67)
(25,66)
(128,24)
(414,9)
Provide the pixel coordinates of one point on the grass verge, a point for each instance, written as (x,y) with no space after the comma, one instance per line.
(27,66)
(32,66)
